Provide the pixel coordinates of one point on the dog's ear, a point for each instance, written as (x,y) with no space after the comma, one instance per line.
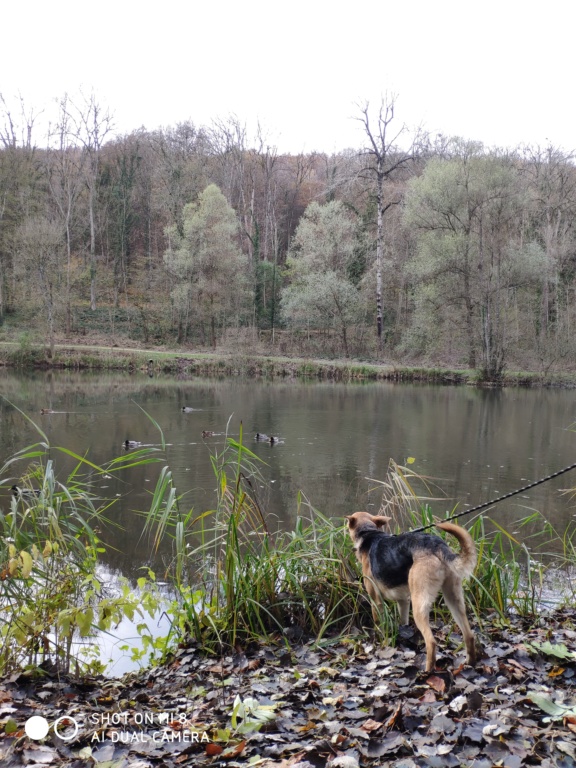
(350,521)
(381,520)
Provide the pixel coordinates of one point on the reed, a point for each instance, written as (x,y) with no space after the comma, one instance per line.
(249,581)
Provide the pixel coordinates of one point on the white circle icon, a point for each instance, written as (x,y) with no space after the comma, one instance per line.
(36,727)
(68,721)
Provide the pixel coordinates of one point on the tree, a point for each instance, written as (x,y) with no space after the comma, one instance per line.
(120,178)
(384,158)
(20,187)
(323,288)
(65,174)
(178,159)
(472,257)
(39,249)
(90,123)
(551,181)
(207,263)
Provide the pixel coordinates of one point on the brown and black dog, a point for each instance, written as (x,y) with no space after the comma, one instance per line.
(415,566)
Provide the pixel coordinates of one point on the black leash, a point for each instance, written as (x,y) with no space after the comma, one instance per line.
(499,499)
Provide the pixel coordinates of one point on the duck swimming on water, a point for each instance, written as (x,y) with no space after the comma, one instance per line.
(261,437)
(24,493)
(132,444)
(206,433)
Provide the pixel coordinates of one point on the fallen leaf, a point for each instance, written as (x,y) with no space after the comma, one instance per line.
(380,747)
(428,697)
(396,717)
(556,672)
(567,748)
(231,752)
(437,683)
(371,725)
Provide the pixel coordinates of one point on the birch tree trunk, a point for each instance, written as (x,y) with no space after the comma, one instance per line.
(384,160)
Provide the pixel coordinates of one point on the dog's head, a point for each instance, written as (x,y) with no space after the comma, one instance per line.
(365,521)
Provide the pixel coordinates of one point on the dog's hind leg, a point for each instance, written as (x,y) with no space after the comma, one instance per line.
(423,591)
(404,610)
(454,597)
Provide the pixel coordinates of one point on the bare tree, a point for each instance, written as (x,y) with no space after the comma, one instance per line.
(65,174)
(19,184)
(39,246)
(16,132)
(90,124)
(383,160)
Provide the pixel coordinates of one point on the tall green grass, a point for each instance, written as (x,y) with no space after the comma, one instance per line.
(239,579)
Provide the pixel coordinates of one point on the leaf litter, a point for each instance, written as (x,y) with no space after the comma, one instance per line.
(347,703)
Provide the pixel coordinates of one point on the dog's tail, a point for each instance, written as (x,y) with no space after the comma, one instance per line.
(468,557)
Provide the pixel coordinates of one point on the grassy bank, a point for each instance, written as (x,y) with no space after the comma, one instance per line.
(230,364)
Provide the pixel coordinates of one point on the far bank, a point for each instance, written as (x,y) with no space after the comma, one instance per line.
(75,356)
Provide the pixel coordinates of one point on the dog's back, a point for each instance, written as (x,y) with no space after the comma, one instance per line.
(392,556)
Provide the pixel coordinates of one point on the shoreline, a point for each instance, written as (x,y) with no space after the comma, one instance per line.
(75,356)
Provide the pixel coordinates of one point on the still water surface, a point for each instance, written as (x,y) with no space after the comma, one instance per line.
(476,443)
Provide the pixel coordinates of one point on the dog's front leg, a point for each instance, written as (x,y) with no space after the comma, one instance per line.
(376,599)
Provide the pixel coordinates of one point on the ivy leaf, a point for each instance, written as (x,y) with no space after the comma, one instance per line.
(559,650)
(252,713)
(555,710)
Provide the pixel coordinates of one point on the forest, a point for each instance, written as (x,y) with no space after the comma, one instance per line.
(411,248)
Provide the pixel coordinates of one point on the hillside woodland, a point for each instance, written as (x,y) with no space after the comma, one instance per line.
(412,247)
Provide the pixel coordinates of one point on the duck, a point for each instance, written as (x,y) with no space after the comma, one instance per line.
(188,409)
(273,439)
(24,493)
(261,436)
(131,444)
(44,411)
(206,433)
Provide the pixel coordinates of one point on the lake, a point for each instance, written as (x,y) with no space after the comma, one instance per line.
(335,439)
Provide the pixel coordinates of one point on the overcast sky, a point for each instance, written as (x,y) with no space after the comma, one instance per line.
(501,72)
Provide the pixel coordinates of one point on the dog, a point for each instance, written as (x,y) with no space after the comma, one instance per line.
(415,567)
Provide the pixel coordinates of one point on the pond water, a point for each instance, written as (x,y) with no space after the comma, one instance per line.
(336,440)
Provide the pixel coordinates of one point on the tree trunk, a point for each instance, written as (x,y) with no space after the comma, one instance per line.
(92,253)
(379,249)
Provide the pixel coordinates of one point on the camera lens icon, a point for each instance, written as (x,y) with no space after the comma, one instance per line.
(37,728)
(62,725)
